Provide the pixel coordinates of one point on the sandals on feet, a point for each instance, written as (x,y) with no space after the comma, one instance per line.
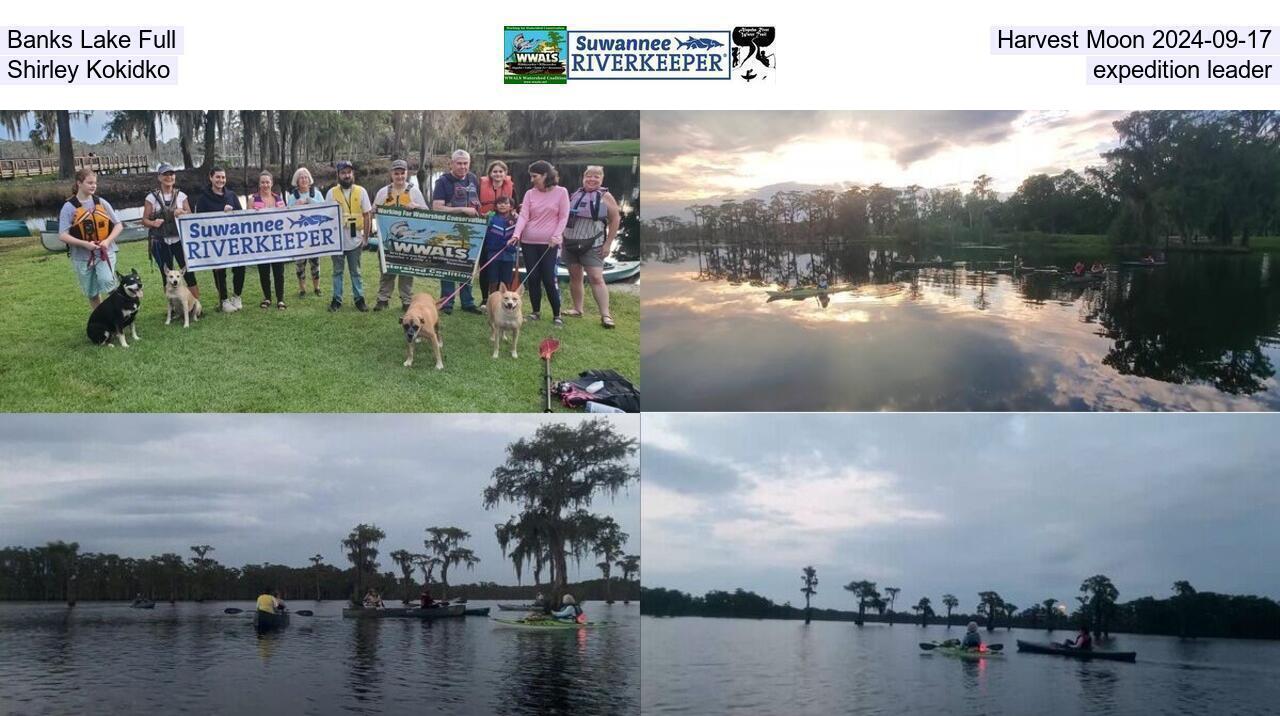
(266,303)
(280,305)
(573,312)
(607,321)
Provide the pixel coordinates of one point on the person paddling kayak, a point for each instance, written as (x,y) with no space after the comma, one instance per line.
(269,603)
(571,612)
(1083,640)
(972,639)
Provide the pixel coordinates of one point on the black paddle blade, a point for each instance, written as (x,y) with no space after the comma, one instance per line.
(232,610)
(305,613)
(995,647)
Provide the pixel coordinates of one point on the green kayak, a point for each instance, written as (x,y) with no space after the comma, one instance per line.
(963,653)
(552,624)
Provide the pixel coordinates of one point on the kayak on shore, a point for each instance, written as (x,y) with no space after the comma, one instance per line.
(1088,654)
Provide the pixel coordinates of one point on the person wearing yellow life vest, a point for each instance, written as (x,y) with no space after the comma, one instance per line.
(269,603)
(89,227)
(397,193)
(357,213)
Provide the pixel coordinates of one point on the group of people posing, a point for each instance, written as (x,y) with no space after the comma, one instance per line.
(546,225)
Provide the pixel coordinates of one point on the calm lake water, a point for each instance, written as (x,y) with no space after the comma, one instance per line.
(1202,333)
(721,666)
(106,658)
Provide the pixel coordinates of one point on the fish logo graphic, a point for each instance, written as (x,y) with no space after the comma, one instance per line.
(310,220)
(698,43)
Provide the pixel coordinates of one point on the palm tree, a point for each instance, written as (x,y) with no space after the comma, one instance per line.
(866,594)
(1099,596)
(554,476)
(362,551)
(630,566)
(404,560)
(892,592)
(1050,609)
(950,602)
(924,608)
(810,577)
(315,561)
(609,545)
(446,543)
(990,605)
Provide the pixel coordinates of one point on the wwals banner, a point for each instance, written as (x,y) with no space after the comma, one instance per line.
(418,242)
(244,238)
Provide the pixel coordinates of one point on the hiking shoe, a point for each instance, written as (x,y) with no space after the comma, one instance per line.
(535,317)
(379,305)
(557,321)
(317,292)
(236,303)
(334,305)
(228,306)
(472,309)
(360,305)
(302,294)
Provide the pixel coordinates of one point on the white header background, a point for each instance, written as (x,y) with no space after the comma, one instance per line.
(407,54)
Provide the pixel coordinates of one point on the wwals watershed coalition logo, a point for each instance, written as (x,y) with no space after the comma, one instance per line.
(553,54)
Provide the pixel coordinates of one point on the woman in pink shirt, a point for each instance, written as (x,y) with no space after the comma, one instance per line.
(266,198)
(540,231)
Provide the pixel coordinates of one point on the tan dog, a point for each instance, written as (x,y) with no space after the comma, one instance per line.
(420,320)
(506,314)
(180,298)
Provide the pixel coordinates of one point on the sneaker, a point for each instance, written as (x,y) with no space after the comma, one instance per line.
(235,303)
(379,305)
(472,309)
(334,305)
(227,306)
(535,317)
(360,305)
(557,321)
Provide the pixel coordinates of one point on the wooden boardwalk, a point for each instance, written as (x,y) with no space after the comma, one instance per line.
(14,168)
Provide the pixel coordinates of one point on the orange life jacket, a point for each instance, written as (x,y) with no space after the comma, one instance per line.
(89,225)
(489,197)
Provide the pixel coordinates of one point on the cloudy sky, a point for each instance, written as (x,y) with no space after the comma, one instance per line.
(265,488)
(694,157)
(1027,505)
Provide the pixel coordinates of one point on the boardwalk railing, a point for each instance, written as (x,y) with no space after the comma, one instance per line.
(14,168)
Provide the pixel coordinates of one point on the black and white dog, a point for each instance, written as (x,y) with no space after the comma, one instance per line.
(117,311)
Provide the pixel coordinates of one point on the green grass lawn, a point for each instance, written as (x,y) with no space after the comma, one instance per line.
(303,359)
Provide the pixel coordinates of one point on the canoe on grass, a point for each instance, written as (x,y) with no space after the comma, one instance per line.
(266,621)
(519,607)
(456,610)
(1088,654)
(133,231)
(14,228)
(551,624)
(477,612)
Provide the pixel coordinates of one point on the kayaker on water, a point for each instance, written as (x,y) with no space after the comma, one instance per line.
(372,600)
(1079,268)
(267,602)
(1083,640)
(1097,267)
(972,639)
(571,612)
(425,598)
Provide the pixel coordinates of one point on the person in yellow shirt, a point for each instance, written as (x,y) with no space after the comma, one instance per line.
(267,602)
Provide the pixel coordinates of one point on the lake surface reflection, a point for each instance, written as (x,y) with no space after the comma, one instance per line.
(736,666)
(192,658)
(1202,333)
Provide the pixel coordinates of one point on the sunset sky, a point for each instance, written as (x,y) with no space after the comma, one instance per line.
(694,157)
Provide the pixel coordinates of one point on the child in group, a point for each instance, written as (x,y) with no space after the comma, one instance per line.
(498,241)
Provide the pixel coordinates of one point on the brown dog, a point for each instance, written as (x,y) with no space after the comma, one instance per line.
(180,298)
(506,314)
(420,320)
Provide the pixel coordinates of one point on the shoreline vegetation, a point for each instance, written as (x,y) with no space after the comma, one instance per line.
(247,141)
(1190,180)
(1187,614)
(553,524)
